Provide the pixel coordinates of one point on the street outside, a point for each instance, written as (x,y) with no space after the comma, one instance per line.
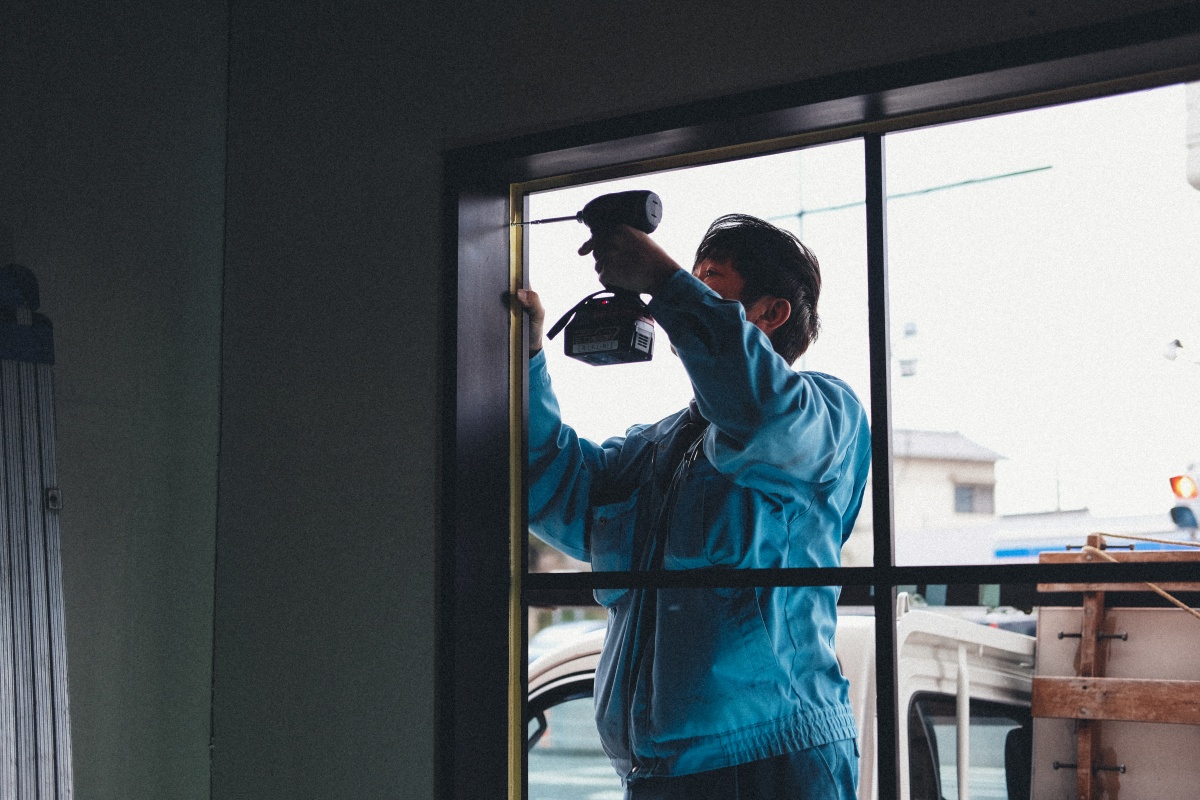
(568,762)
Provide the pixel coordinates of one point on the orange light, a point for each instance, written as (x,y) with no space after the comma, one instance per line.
(1184,487)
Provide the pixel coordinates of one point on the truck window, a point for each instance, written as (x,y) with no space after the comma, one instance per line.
(999,750)
(567,762)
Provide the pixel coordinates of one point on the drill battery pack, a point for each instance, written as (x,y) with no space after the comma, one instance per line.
(607,328)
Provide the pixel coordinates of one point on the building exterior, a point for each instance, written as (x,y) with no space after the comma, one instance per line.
(943,481)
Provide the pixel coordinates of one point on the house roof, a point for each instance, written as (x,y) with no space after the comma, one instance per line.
(939,446)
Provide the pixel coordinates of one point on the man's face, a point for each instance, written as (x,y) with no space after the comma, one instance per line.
(721,277)
(766,313)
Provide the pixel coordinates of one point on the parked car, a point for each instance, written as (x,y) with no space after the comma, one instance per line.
(955,676)
(555,636)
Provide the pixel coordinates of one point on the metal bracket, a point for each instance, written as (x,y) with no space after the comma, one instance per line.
(1117,768)
(54,499)
(1124,637)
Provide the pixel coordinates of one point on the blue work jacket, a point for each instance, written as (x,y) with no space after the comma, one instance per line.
(697,679)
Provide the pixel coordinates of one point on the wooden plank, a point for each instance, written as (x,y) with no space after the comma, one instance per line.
(1091,654)
(1091,663)
(1125,699)
(1116,587)
(1087,743)
(1123,556)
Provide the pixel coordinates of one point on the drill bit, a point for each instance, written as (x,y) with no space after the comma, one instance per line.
(541,221)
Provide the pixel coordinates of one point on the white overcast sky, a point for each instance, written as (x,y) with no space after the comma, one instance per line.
(1042,302)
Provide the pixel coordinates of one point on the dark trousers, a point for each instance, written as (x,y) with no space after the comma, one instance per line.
(825,772)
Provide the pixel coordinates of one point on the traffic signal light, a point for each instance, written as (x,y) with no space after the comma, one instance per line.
(1186,494)
(1184,487)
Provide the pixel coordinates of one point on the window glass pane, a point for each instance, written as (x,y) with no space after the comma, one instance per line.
(552,629)
(816,193)
(1040,263)
(566,758)
(568,761)
(963,498)
(1015,654)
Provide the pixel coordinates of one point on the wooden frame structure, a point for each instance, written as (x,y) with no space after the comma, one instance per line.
(1090,698)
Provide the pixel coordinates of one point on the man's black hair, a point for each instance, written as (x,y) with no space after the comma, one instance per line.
(772,262)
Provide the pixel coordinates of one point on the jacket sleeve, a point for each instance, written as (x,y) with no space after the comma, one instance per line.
(772,427)
(563,469)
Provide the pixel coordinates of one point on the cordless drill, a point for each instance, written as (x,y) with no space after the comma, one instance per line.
(612,326)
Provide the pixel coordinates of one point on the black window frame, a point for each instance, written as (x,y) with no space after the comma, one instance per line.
(482,585)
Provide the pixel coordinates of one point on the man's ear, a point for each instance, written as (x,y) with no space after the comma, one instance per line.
(768,313)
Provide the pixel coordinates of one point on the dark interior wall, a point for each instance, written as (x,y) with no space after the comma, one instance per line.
(329,428)
(111,190)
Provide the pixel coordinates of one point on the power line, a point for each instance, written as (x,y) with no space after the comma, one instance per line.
(804,212)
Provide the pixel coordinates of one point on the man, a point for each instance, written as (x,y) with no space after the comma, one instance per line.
(720,693)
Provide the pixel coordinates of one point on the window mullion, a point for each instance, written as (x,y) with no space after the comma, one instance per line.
(881,465)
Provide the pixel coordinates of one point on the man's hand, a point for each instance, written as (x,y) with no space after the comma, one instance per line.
(626,258)
(532,305)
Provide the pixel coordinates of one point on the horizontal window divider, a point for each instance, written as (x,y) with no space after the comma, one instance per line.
(701,578)
(550,582)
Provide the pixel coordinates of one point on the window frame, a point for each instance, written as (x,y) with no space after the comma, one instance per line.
(482,586)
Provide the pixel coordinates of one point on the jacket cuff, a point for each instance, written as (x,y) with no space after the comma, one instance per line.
(681,288)
(537,366)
